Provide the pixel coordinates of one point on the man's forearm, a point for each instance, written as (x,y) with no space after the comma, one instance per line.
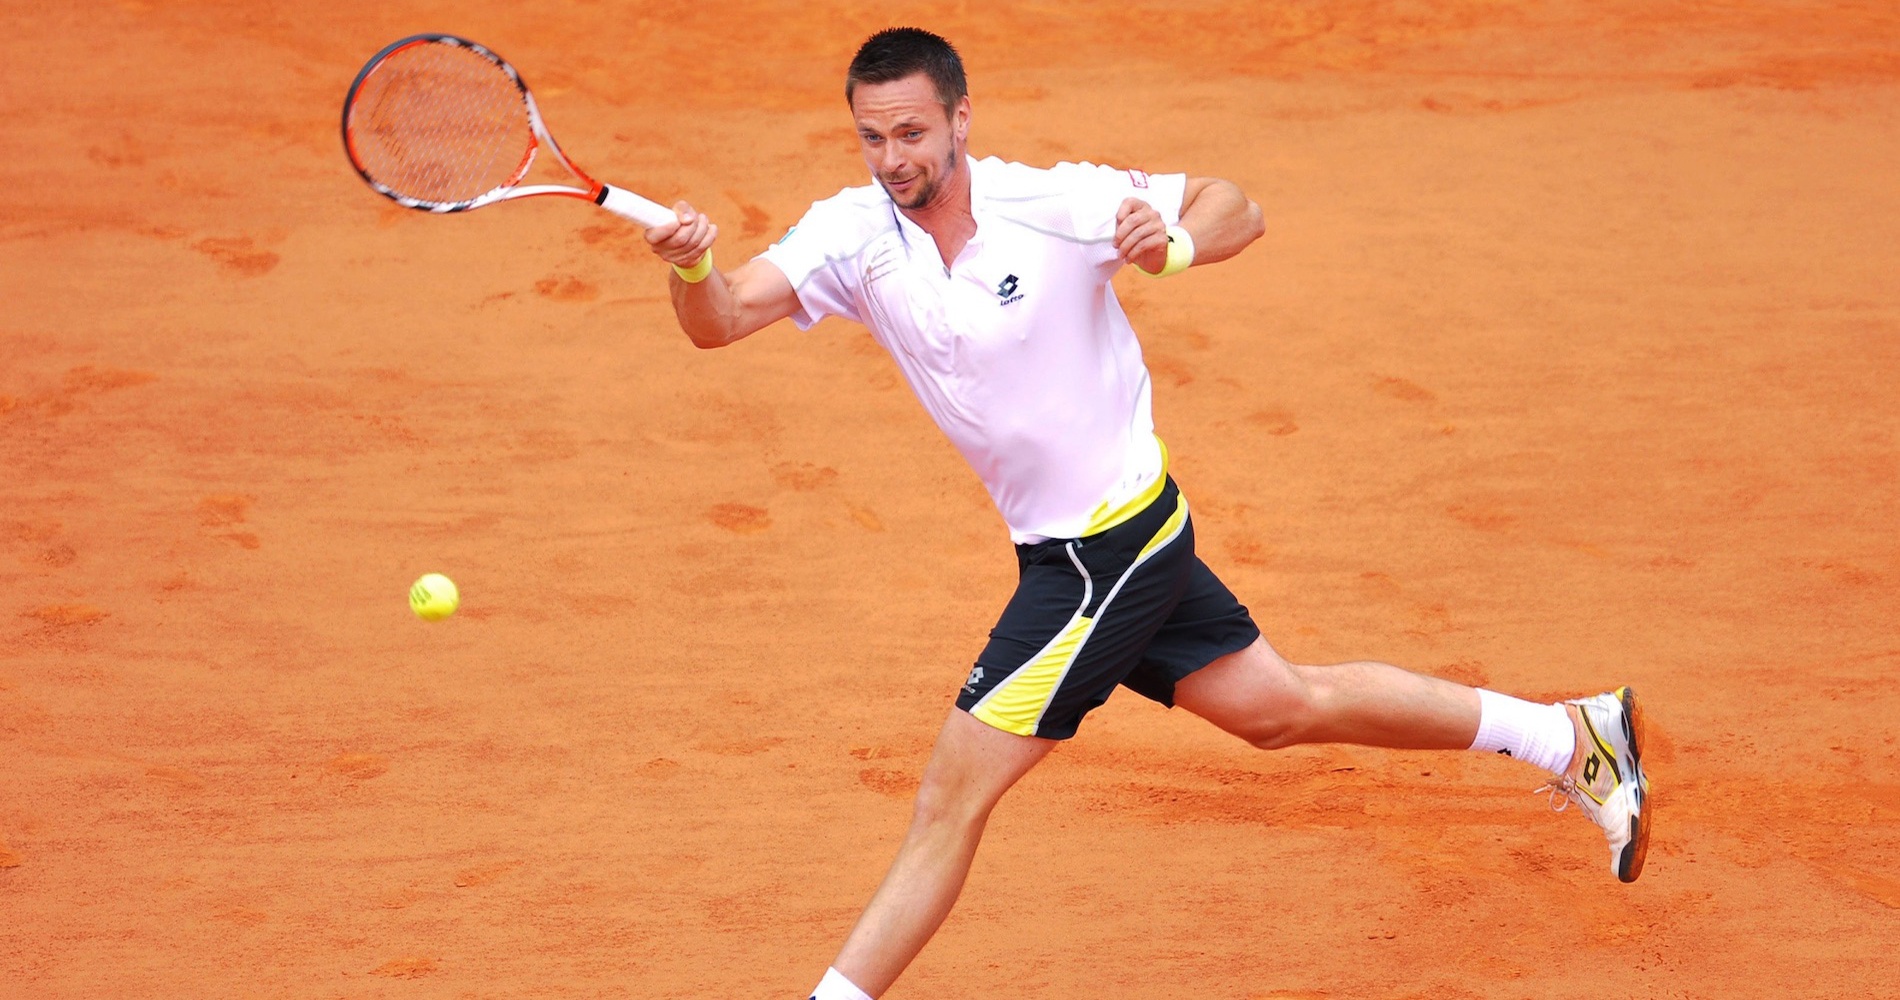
(1222,221)
(707,309)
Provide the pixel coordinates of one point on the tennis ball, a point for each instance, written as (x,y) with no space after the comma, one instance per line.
(434,597)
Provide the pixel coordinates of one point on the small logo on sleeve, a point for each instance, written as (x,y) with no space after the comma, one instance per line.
(1006,291)
(1137,178)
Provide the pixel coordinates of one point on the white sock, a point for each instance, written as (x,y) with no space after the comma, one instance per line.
(836,987)
(1535,734)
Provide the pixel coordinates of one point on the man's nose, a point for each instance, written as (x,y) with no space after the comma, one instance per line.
(890,157)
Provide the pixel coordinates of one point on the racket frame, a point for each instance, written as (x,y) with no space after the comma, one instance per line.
(618,200)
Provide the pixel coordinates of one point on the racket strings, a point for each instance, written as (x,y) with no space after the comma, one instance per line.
(440,124)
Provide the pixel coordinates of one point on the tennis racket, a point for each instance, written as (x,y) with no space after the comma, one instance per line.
(441,124)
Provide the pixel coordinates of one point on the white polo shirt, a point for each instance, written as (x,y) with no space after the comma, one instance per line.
(1018,348)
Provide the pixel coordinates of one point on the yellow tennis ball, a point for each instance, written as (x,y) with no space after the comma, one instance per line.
(434,597)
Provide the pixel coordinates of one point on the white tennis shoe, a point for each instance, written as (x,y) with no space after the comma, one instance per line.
(1605,778)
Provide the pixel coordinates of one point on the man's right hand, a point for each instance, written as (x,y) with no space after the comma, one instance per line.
(727,305)
(685,240)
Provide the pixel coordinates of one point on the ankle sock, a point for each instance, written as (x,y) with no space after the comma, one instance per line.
(1535,734)
(836,987)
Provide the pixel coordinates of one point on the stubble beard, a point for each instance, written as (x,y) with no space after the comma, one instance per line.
(927,191)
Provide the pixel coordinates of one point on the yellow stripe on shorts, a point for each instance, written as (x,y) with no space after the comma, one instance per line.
(1017,704)
(1103,518)
(1169,529)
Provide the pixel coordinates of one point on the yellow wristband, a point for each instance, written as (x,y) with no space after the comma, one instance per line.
(1180,252)
(698,272)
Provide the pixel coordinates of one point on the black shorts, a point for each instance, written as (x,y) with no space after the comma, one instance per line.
(1131,606)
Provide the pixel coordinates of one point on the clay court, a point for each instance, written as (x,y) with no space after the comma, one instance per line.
(1569,360)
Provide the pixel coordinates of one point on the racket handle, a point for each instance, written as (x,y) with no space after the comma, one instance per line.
(623,202)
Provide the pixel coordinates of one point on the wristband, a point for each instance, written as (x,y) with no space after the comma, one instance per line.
(1180,252)
(698,272)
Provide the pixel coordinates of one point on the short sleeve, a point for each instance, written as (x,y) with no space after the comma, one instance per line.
(1096,193)
(814,260)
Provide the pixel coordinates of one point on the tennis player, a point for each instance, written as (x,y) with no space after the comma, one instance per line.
(989,284)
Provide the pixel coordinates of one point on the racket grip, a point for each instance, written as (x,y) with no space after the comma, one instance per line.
(623,202)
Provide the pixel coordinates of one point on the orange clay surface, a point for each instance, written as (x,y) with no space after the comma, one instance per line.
(1569,360)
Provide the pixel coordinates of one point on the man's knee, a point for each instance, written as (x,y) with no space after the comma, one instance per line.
(1272,734)
(1307,702)
(971,768)
(1272,705)
(948,805)
(1306,696)
(1282,728)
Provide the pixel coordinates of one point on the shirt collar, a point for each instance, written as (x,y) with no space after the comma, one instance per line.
(978,210)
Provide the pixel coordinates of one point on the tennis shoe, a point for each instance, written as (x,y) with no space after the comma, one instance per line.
(1605,778)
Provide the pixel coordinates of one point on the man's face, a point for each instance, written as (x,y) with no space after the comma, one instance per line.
(911,144)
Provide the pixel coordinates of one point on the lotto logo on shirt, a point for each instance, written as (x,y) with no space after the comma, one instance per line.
(1006,290)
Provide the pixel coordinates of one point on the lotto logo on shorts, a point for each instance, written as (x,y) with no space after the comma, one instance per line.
(1137,178)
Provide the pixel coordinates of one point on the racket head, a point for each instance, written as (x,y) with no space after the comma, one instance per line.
(439,123)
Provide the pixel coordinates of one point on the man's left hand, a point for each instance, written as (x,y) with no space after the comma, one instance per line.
(1141,237)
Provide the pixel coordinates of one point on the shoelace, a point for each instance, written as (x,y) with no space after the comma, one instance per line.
(1562,790)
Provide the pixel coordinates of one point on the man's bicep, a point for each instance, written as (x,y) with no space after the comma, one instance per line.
(762,293)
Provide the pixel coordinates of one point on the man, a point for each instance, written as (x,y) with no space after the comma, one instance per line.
(989,284)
